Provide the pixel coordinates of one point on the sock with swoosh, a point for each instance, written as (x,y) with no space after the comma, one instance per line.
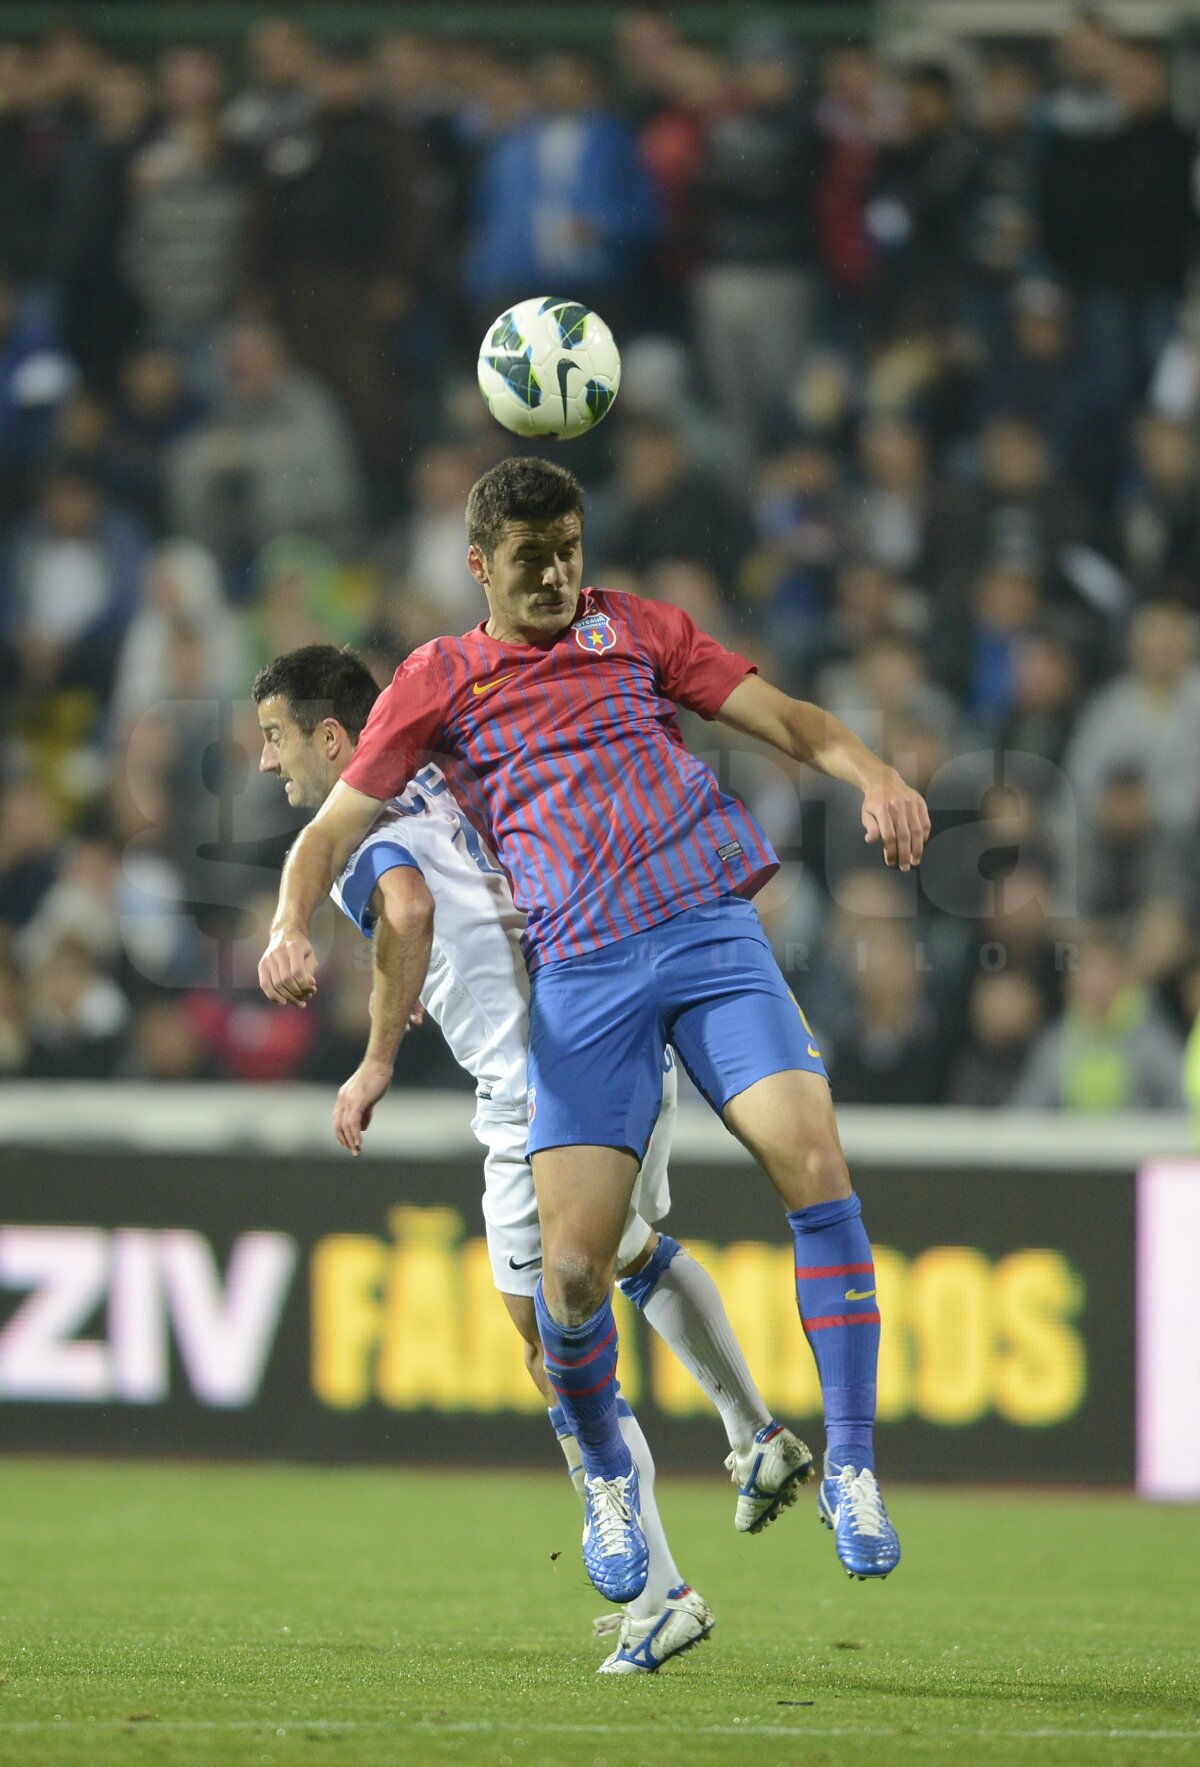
(835,1292)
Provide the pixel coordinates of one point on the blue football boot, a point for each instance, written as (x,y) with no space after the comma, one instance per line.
(850,1503)
(615,1554)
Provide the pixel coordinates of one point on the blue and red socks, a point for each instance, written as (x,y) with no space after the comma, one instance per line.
(835,1292)
(581,1366)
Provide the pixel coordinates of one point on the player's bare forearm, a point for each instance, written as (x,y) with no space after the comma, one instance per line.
(307,875)
(403,910)
(287,969)
(402,947)
(892,812)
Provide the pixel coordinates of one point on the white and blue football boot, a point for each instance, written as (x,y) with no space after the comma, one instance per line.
(615,1554)
(643,1646)
(851,1504)
(768,1476)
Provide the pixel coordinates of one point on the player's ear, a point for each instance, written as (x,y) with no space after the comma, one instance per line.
(333,737)
(477,565)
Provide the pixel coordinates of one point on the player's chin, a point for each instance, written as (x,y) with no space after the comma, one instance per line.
(553,616)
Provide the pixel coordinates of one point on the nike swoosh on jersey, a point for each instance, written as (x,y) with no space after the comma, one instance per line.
(859,1294)
(529,1264)
(482,687)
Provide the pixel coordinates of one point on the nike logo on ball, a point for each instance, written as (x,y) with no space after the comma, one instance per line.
(564,368)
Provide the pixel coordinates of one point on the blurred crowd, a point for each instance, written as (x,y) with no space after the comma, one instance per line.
(910,415)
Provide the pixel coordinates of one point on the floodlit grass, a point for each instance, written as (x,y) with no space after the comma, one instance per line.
(266,1617)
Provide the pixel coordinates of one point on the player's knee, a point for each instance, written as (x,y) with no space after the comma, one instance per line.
(826,1175)
(580,1280)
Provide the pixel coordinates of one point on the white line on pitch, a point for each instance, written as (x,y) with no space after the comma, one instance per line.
(600,1728)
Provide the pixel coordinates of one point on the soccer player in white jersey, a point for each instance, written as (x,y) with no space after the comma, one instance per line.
(426,888)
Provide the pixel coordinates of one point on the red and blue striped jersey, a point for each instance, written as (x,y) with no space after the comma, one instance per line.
(571,759)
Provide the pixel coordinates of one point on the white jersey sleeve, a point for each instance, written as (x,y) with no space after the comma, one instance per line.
(477,989)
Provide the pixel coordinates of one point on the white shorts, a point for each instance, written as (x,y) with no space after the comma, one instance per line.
(510,1215)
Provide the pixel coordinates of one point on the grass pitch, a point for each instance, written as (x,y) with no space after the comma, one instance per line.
(273,1617)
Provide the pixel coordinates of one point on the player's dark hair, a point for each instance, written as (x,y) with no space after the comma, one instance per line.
(522,489)
(319,681)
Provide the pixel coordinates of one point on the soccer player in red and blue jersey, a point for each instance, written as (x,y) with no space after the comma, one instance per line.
(556,721)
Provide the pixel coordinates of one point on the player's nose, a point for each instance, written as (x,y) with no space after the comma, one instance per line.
(268,761)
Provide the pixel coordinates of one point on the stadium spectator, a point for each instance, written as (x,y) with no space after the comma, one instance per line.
(1001,224)
(885,1044)
(858,113)
(70,585)
(660,508)
(183,606)
(274,457)
(153,407)
(1006,1013)
(78,1018)
(302,594)
(1040,374)
(1112,1048)
(100,311)
(31,826)
(1018,512)
(36,375)
(694,83)
(1045,695)
(799,521)
(1159,519)
(753,292)
(561,200)
(272,116)
(919,213)
(428,587)
(184,245)
(889,521)
(1146,721)
(1116,211)
(338,229)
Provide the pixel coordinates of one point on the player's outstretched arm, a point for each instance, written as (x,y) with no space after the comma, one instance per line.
(403,939)
(892,812)
(287,970)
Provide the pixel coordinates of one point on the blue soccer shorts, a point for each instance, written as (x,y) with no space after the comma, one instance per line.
(705,981)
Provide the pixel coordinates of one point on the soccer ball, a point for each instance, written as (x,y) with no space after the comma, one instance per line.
(549,367)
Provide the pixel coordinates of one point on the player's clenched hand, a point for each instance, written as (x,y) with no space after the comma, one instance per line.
(357,1100)
(287,970)
(895,814)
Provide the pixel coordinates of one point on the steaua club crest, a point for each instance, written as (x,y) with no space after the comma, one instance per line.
(594,632)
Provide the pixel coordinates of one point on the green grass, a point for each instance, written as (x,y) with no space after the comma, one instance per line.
(267,1617)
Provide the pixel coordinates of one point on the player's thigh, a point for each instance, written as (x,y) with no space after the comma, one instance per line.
(786,1120)
(583,1196)
(595,1053)
(732,1018)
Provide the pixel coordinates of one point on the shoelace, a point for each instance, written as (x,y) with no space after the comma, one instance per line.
(611,1514)
(860,1492)
(604,1624)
